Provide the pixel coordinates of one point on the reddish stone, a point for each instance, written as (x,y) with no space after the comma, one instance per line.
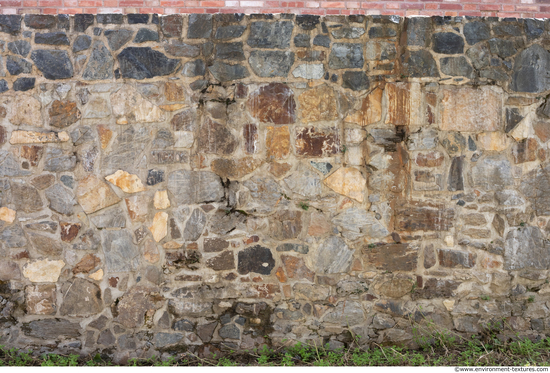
(113,282)
(257,279)
(63,114)
(215,138)
(423,216)
(489,263)
(234,168)
(542,154)
(287,291)
(250,135)
(32,153)
(542,130)
(314,142)
(192,278)
(434,288)
(184,121)
(525,151)
(251,239)
(171,25)
(241,91)
(431,159)
(296,268)
(68,231)
(392,257)
(41,299)
(273,103)
(267,291)
(424,176)
(88,262)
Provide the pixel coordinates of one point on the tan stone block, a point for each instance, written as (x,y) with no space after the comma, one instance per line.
(159,229)
(347,181)
(33,137)
(161,200)
(524,129)
(172,107)
(371,109)
(86,264)
(7,215)
(148,113)
(105,136)
(173,91)
(277,143)
(404,102)
(496,141)
(97,275)
(468,109)
(93,194)
(43,270)
(26,110)
(40,299)
(318,104)
(430,159)
(127,182)
(318,225)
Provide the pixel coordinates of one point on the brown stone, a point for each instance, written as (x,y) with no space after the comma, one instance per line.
(32,153)
(435,288)
(286,224)
(81,298)
(173,91)
(474,219)
(493,141)
(86,264)
(317,104)
(63,114)
(33,137)
(349,182)
(396,287)
(371,109)
(215,138)
(296,268)
(392,257)
(250,136)
(136,304)
(277,143)
(151,253)
(279,169)
(9,271)
(489,263)
(429,256)
(234,168)
(93,194)
(43,181)
(318,225)
(185,120)
(25,197)
(455,258)
(137,208)
(430,159)
(424,176)
(68,231)
(214,244)
(222,262)
(404,102)
(542,130)
(468,109)
(273,103)
(281,276)
(423,216)
(40,299)
(105,136)
(314,142)
(525,151)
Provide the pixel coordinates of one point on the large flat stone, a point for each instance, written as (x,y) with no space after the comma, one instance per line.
(333,256)
(273,103)
(526,247)
(81,298)
(54,64)
(190,187)
(121,254)
(93,194)
(144,63)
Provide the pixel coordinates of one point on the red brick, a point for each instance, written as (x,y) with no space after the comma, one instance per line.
(450,6)
(333,5)
(489,7)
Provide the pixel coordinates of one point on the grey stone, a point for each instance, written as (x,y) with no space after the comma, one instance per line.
(206,331)
(456,66)
(117,38)
(3,84)
(348,32)
(497,74)
(81,298)
(200,26)
(456,181)
(106,338)
(355,80)
(89,240)
(509,198)
(346,314)
(474,32)
(100,64)
(333,256)
(382,321)
(419,64)
(194,68)
(144,63)
(61,200)
(270,35)
(533,28)
(419,30)
(20,47)
(167,339)
(144,35)
(305,182)
(10,23)
(479,55)
(447,43)
(45,245)
(230,51)
(492,173)
(83,21)
(307,21)
(265,195)
(180,49)
(355,223)
(43,226)
(508,28)
(309,71)
(24,84)
(224,222)
(82,42)
(114,19)
(526,247)
(225,72)
(302,41)
(25,197)
(9,166)
(502,47)
(271,63)
(163,139)
(256,259)
(528,76)
(229,32)
(195,225)
(12,236)
(183,326)
(17,65)
(121,254)
(535,185)
(52,38)
(382,32)
(126,148)
(54,64)
(230,331)
(9,271)
(191,187)
(322,41)
(57,161)
(113,218)
(324,167)
(299,248)
(51,329)
(100,323)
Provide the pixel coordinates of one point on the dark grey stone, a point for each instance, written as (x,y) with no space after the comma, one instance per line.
(181,49)
(229,32)
(61,200)
(508,28)
(83,21)
(528,76)
(17,65)
(355,80)
(52,38)
(479,55)
(9,166)
(23,84)
(57,161)
(12,236)
(456,66)
(322,41)
(195,225)
(230,51)
(63,22)
(224,222)
(67,180)
(228,17)
(10,23)
(224,72)
(194,68)
(474,32)
(183,326)
(419,64)
(106,338)
(456,181)
(533,28)
(348,32)
(447,43)
(502,47)
(419,30)
(145,63)
(54,64)
(144,34)
(270,35)
(51,329)
(199,85)
(117,38)
(112,218)
(230,331)
(346,55)
(40,21)
(471,144)
(190,187)
(3,86)
(138,19)
(299,248)
(113,19)
(167,339)
(307,21)
(20,47)
(82,42)
(121,254)
(271,63)
(382,32)
(255,259)
(155,176)
(302,41)
(200,26)
(525,247)
(513,117)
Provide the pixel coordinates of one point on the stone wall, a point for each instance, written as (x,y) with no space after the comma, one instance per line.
(193,182)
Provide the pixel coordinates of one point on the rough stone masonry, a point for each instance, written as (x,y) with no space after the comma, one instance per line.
(201,182)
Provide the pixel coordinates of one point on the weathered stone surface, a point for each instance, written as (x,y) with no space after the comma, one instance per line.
(68,231)
(52,329)
(121,254)
(159,229)
(313,142)
(40,299)
(333,256)
(16,65)
(43,270)
(7,215)
(82,298)
(529,77)
(26,110)
(392,257)
(474,32)
(100,64)
(231,51)
(32,137)
(256,259)
(54,64)
(9,271)
(456,66)
(346,313)
(416,215)
(144,35)
(20,47)
(345,56)
(296,268)
(225,72)
(82,42)
(216,138)
(137,304)
(271,63)
(492,173)
(190,187)
(25,197)
(234,169)
(229,32)
(356,223)
(404,103)
(347,181)
(447,43)
(525,247)
(179,49)
(430,159)
(371,109)
(222,262)
(305,182)
(285,225)
(419,64)
(535,186)
(454,258)
(63,114)
(200,26)
(93,194)
(277,142)
(273,103)
(456,179)
(270,35)
(112,218)
(144,63)
(318,104)
(127,182)
(52,38)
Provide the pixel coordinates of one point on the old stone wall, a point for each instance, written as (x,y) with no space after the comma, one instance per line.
(193,182)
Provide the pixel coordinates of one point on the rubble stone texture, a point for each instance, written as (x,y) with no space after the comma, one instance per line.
(173,183)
